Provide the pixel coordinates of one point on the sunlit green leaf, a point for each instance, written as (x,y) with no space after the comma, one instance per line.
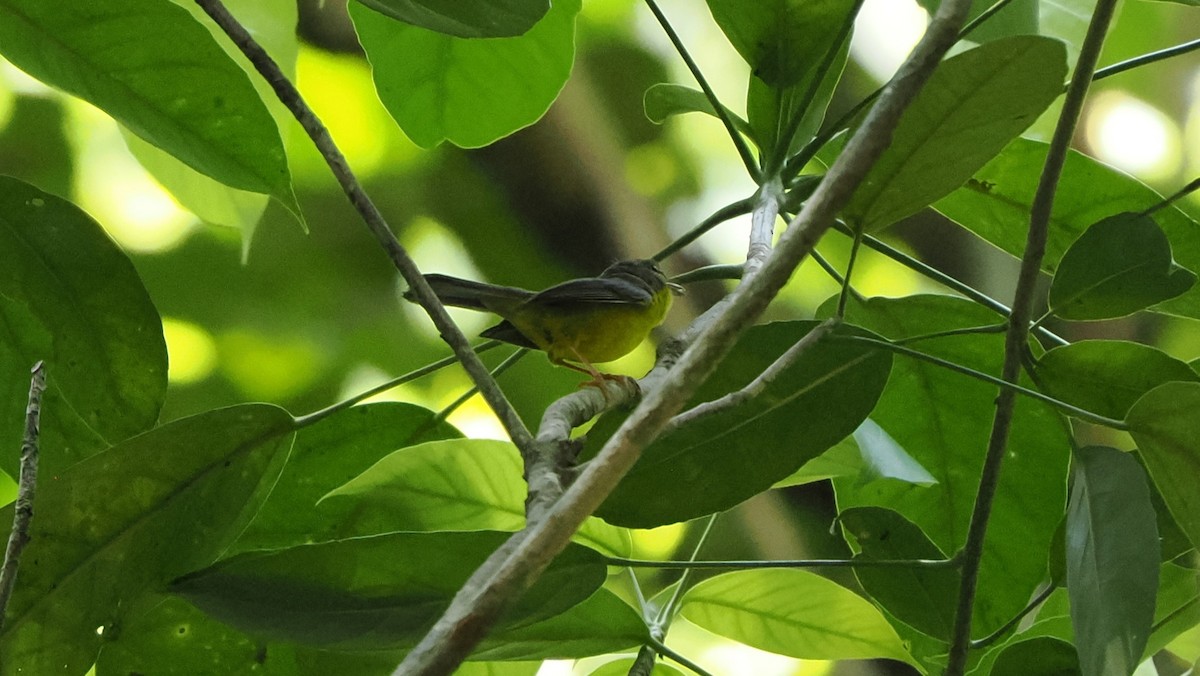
(974,105)
(326,455)
(1107,376)
(466,18)
(124,522)
(71,298)
(198,105)
(379,592)
(721,459)
(666,99)
(1112,560)
(1118,266)
(468,92)
(883,458)
(1166,426)
(601,624)
(461,484)
(794,613)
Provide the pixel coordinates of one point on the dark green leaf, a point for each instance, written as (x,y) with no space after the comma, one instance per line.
(622,667)
(724,458)
(769,109)
(1165,423)
(975,104)
(460,484)
(995,205)
(468,92)
(1117,266)
(1112,560)
(466,18)
(1040,656)
(601,624)
(665,99)
(923,598)
(380,592)
(944,419)
(792,612)
(70,297)
(780,39)
(198,105)
(326,455)
(124,522)
(1107,376)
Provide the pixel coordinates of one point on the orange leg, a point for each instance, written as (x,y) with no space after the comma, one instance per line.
(598,378)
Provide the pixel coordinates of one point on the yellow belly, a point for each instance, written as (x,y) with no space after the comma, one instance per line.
(593,334)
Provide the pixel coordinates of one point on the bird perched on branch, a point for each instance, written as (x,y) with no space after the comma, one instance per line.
(577,323)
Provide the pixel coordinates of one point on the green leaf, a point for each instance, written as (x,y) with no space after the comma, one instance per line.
(1107,376)
(71,298)
(883,458)
(198,105)
(665,99)
(469,92)
(841,459)
(1117,266)
(380,592)
(794,613)
(326,455)
(1112,560)
(923,598)
(124,522)
(780,39)
(459,484)
(995,205)
(1165,423)
(975,104)
(601,624)
(724,458)
(465,18)
(1039,656)
(621,668)
(944,420)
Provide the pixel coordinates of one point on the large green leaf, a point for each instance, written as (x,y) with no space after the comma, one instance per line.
(466,18)
(1117,266)
(70,297)
(1166,426)
(724,458)
(922,597)
(770,109)
(1107,376)
(792,612)
(460,484)
(379,592)
(124,522)
(603,623)
(197,105)
(781,39)
(995,205)
(468,92)
(1038,656)
(974,105)
(666,99)
(944,419)
(326,455)
(1112,560)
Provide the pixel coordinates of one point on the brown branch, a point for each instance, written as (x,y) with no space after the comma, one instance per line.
(1017,336)
(26,485)
(514,568)
(449,331)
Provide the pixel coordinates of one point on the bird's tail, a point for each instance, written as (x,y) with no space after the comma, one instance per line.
(473,295)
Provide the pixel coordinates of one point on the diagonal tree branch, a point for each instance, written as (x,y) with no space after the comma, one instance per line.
(26,485)
(516,565)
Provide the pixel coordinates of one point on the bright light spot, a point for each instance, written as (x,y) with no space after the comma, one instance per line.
(268,367)
(556,668)
(21,83)
(193,354)
(884,33)
(658,543)
(7,100)
(436,249)
(113,187)
(477,421)
(366,376)
(734,659)
(1133,135)
(8,489)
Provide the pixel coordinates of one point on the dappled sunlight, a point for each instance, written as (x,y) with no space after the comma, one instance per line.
(1133,136)
(191,351)
(884,33)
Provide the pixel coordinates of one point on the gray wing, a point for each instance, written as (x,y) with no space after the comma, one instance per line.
(594,290)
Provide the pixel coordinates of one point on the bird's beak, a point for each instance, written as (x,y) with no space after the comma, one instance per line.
(675,288)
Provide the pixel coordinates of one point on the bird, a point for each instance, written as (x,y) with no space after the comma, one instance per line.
(577,323)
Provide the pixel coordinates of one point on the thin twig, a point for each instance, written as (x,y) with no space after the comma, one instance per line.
(1008,626)
(290,97)
(725,213)
(667,612)
(845,294)
(760,382)
(1144,59)
(26,487)
(1018,330)
(789,563)
(662,649)
(503,366)
(711,272)
(1179,194)
(521,560)
(739,142)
